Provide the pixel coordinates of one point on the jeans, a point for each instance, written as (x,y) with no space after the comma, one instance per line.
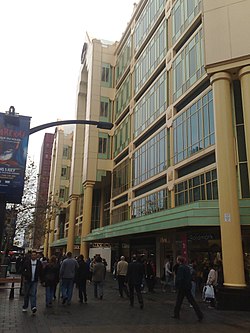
(67,289)
(98,289)
(30,289)
(50,291)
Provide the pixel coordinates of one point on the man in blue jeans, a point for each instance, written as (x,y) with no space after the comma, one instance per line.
(68,271)
(31,272)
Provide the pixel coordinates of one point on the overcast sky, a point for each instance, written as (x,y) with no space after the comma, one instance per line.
(40,50)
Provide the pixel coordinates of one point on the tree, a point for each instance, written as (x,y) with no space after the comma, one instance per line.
(25,210)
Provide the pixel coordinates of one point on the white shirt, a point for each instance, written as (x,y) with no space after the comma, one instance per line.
(33,269)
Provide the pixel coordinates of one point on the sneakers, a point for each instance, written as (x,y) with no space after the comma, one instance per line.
(24,309)
(34,309)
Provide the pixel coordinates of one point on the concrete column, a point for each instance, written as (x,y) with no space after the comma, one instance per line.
(232,252)
(51,235)
(102,208)
(244,75)
(46,241)
(72,220)
(87,210)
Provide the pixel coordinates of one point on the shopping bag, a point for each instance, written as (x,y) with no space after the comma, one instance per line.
(208,292)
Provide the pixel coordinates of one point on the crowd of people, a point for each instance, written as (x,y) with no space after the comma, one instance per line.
(59,276)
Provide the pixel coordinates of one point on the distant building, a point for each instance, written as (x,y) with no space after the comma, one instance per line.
(58,192)
(42,190)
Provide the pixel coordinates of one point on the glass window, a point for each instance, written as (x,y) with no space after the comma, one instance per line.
(194,128)
(188,66)
(183,14)
(151,105)
(106,75)
(150,158)
(147,18)
(202,187)
(151,57)
(152,203)
(104,109)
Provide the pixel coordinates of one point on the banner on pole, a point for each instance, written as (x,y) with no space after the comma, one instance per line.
(14,138)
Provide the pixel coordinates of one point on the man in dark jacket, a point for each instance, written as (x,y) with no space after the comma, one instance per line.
(82,277)
(183,285)
(135,275)
(31,272)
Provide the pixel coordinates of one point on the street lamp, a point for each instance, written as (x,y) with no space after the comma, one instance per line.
(98,124)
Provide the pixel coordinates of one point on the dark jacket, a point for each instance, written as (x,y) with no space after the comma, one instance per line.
(27,271)
(51,274)
(83,271)
(183,278)
(135,272)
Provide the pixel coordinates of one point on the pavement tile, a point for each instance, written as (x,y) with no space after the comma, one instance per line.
(114,315)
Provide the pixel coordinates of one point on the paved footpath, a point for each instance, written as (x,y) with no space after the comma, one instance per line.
(114,315)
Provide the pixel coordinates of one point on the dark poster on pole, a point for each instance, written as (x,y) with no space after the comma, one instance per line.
(14,138)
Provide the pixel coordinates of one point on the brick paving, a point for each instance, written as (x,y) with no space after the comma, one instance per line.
(113,314)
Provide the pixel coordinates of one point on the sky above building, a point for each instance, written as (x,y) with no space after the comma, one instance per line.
(41,43)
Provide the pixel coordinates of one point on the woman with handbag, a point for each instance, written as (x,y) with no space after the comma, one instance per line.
(212,281)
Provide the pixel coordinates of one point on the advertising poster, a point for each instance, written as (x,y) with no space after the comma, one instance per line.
(14,137)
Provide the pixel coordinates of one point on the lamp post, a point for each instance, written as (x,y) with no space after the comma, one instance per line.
(98,124)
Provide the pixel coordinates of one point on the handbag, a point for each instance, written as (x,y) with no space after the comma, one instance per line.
(208,292)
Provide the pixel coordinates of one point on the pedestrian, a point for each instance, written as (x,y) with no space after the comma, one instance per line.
(135,276)
(51,279)
(168,274)
(150,275)
(98,276)
(193,272)
(81,278)
(67,275)
(212,279)
(122,269)
(31,272)
(183,285)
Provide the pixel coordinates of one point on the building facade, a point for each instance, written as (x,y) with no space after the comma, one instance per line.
(58,193)
(42,190)
(172,176)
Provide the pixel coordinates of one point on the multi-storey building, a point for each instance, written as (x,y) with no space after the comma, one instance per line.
(172,177)
(42,190)
(58,193)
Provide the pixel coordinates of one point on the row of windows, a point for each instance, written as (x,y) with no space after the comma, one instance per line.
(194,128)
(121,178)
(146,20)
(123,96)
(202,187)
(150,158)
(120,214)
(151,105)
(122,136)
(153,54)
(188,66)
(150,204)
(123,59)
(183,13)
